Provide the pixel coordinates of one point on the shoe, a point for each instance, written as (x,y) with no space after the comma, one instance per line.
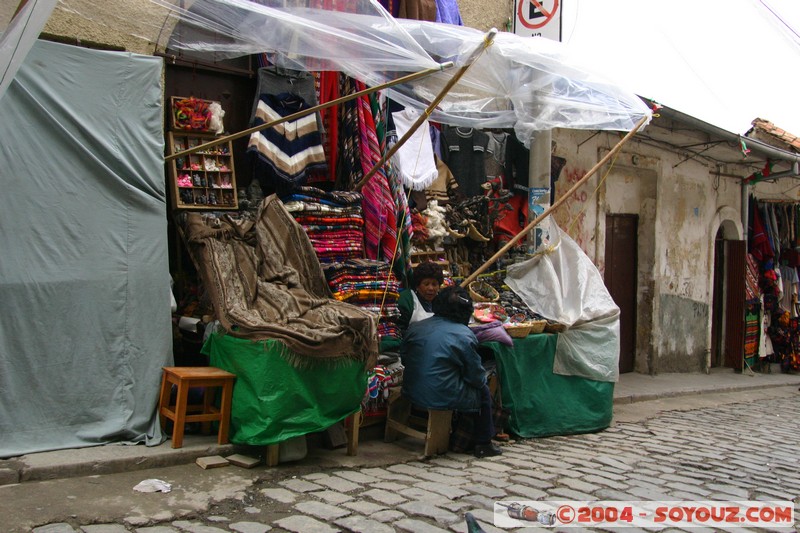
(487,450)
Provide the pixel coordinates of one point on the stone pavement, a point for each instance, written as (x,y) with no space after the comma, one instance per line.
(632,387)
(718,447)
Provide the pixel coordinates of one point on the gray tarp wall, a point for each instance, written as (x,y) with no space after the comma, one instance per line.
(84,277)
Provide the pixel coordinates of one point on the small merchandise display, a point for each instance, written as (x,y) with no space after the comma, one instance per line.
(196,115)
(205,179)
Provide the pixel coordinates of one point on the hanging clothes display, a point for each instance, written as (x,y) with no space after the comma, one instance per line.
(495,158)
(414,160)
(287,152)
(771,244)
(282,156)
(463,150)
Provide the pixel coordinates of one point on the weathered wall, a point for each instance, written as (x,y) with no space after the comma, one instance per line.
(133,25)
(680,205)
(487,14)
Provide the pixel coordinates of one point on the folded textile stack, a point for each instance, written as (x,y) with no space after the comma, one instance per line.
(333,221)
(369,284)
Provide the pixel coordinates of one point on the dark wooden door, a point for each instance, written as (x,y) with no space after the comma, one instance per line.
(718,303)
(620,279)
(734,303)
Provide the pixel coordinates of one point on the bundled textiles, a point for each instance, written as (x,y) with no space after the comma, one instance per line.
(333,221)
(370,285)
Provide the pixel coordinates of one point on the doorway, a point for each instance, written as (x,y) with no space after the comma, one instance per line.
(620,277)
(718,303)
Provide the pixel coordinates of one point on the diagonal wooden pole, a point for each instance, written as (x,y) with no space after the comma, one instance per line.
(487,40)
(308,111)
(558,202)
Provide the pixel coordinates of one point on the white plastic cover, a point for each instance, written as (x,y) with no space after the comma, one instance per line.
(518,82)
(562,284)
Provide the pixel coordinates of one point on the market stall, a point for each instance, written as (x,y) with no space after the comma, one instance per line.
(381,194)
(305,264)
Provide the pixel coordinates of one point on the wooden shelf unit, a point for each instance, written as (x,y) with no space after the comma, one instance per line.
(204,180)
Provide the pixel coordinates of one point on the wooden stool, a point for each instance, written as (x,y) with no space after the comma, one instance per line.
(186,377)
(435,431)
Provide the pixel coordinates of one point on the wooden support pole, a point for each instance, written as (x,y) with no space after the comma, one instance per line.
(487,40)
(557,203)
(308,111)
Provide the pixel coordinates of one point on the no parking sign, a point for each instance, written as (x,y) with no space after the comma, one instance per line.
(538,18)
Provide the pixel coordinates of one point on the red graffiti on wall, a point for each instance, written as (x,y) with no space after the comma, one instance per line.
(574,215)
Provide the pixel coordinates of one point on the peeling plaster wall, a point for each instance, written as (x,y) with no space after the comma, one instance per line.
(632,190)
(679,203)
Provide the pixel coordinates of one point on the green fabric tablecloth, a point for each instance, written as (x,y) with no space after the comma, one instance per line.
(542,403)
(274,401)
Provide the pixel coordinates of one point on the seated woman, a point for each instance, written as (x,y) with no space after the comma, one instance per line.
(416,304)
(443,369)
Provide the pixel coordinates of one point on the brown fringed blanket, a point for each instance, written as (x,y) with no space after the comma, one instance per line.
(266,282)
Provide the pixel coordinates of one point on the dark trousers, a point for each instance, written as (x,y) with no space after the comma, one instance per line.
(484,419)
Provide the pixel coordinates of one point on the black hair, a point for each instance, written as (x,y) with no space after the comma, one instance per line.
(453,303)
(426,270)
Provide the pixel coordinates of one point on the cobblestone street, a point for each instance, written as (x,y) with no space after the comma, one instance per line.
(731,451)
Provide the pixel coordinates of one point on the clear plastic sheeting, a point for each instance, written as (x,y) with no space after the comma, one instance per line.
(562,284)
(518,82)
(357,37)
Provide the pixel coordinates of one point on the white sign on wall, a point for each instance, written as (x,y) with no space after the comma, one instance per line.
(538,18)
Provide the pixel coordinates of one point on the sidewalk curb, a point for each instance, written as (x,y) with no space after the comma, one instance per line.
(26,468)
(635,398)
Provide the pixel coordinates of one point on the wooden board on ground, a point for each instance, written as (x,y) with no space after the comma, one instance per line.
(243,460)
(212,461)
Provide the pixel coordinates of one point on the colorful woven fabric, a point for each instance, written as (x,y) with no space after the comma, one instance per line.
(379,213)
(370,284)
(752,331)
(349,171)
(339,234)
(286,152)
(751,278)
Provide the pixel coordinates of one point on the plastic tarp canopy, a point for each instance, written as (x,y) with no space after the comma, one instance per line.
(561,283)
(274,401)
(84,279)
(518,82)
(542,403)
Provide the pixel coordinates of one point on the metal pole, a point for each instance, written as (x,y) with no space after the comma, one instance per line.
(487,40)
(557,203)
(304,112)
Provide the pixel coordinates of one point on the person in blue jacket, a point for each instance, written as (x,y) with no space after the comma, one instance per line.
(442,368)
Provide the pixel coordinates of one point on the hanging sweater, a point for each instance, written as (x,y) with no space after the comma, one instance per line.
(286,152)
